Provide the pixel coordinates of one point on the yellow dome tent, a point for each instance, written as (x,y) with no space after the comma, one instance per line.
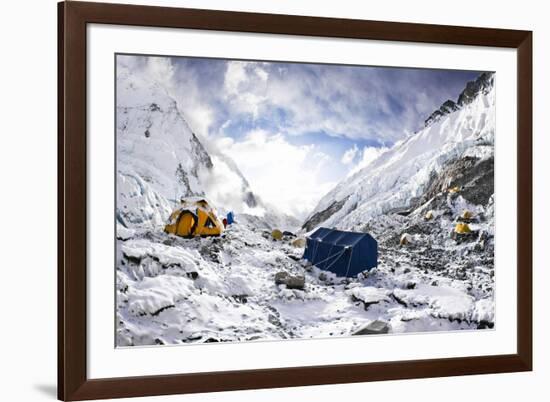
(194,217)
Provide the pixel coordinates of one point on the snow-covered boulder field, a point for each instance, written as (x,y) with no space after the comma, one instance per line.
(175,291)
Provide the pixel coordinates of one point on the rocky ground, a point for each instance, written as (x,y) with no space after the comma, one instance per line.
(172,290)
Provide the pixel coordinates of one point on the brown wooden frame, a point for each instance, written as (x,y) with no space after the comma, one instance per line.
(73,383)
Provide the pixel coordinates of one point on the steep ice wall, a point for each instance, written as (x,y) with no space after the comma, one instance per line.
(400,176)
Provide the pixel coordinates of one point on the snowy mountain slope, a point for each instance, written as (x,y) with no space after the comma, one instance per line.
(160,159)
(398,178)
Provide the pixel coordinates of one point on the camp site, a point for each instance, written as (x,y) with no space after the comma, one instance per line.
(259,235)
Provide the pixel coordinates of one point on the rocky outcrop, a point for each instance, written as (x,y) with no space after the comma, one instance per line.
(473,88)
(481,84)
(448,107)
(323,215)
(473,176)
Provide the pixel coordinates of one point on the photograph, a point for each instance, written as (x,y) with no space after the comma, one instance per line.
(274,200)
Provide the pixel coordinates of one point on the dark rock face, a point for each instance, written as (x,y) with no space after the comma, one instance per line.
(203,161)
(473,88)
(473,176)
(447,107)
(250,199)
(482,84)
(200,151)
(322,216)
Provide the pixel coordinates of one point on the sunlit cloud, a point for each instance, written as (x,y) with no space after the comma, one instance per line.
(287,176)
(349,155)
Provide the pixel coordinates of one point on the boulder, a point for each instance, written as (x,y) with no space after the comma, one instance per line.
(464,237)
(291,282)
(296,282)
(376,327)
(299,242)
(281,277)
(405,239)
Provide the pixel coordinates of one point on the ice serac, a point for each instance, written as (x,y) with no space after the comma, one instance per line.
(456,139)
(160,159)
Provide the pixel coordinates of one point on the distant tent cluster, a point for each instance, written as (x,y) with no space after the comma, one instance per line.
(340,252)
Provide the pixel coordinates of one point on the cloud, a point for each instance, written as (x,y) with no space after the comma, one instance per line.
(244,85)
(349,155)
(223,185)
(287,176)
(360,103)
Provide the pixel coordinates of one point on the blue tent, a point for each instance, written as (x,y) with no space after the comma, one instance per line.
(230,218)
(344,253)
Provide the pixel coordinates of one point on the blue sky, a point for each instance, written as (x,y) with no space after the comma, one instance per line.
(322,122)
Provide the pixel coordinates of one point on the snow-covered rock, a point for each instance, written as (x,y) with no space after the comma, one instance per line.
(369,294)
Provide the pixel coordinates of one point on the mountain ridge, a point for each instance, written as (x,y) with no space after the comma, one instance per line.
(397,178)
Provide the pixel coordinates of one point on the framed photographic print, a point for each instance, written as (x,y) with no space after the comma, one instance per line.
(253,200)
